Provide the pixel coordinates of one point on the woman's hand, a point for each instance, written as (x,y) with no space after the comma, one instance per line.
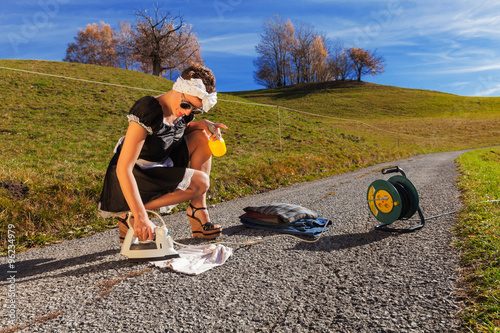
(144,229)
(204,126)
(217,126)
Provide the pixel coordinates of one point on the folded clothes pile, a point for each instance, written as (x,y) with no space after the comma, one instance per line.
(285,218)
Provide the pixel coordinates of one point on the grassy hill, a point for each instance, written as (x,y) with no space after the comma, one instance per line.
(57,136)
(438,121)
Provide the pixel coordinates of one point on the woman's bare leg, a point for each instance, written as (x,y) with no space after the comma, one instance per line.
(198,186)
(201,162)
(201,159)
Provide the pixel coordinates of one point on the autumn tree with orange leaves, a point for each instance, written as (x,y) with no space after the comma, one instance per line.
(365,62)
(94,45)
(319,56)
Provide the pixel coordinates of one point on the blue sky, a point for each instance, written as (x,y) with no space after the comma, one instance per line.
(450,45)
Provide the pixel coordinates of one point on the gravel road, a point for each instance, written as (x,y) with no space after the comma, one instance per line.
(354,279)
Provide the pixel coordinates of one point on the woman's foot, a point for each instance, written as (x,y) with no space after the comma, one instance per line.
(205,230)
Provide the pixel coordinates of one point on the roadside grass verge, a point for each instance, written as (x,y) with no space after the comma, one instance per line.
(478,235)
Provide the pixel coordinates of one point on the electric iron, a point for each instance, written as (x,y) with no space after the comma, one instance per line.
(161,248)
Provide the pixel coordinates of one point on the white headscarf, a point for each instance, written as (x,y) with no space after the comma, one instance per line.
(195,87)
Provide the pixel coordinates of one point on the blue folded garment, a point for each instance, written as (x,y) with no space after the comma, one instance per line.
(304,226)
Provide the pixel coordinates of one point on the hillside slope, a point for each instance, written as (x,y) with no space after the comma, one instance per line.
(362,100)
(400,116)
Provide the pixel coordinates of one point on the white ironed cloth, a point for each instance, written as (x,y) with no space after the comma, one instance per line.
(195,87)
(195,260)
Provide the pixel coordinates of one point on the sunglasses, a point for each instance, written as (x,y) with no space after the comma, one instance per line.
(188,106)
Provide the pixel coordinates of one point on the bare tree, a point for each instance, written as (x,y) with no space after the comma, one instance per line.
(300,54)
(339,63)
(266,73)
(164,42)
(189,53)
(273,63)
(125,46)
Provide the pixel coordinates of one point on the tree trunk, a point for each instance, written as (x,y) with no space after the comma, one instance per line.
(157,66)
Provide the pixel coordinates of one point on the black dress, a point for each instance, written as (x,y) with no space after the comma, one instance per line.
(162,164)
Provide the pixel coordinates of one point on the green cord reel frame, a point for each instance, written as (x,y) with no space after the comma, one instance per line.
(394,199)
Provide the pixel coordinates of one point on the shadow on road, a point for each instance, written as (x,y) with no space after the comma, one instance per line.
(75,266)
(346,241)
(325,243)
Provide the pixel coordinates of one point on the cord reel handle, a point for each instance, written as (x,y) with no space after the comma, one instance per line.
(392,170)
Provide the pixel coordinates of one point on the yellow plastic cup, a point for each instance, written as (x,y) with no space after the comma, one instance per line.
(218,147)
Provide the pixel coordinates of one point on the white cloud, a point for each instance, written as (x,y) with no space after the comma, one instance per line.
(467,19)
(469,69)
(488,91)
(237,44)
(459,84)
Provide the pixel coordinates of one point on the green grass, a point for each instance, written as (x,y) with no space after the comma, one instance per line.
(478,232)
(57,136)
(392,115)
